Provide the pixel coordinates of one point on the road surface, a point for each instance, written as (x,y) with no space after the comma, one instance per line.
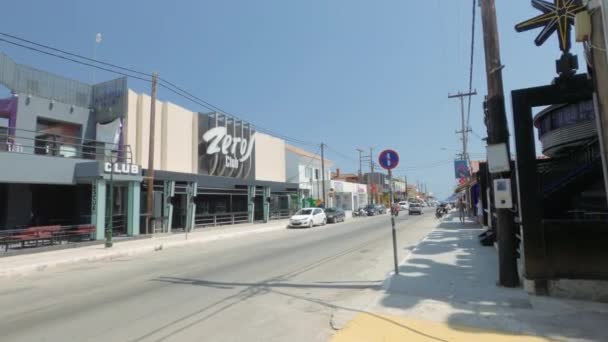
(279,286)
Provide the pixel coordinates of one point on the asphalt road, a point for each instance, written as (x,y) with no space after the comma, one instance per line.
(279,286)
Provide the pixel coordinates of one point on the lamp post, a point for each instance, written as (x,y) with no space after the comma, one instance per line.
(109,226)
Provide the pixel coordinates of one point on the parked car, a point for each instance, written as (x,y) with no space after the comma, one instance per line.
(372,210)
(404,205)
(381,208)
(415,208)
(335,215)
(308,217)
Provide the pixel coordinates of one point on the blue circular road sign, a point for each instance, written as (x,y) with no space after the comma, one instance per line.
(388,159)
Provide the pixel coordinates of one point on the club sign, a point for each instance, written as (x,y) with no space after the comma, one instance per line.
(122,168)
(236,149)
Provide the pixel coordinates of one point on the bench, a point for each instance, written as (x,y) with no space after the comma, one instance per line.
(51,233)
(32,234)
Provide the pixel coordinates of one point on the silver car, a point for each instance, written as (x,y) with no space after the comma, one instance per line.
(415,208)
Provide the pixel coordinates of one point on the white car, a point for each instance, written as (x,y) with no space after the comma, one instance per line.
(308,217)
(404,205)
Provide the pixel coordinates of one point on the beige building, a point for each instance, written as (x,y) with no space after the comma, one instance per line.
(209,168)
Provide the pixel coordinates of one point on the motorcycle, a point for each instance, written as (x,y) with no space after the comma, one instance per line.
(360,212)
(440,211)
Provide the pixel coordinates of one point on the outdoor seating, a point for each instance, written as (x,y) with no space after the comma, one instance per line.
(51,234)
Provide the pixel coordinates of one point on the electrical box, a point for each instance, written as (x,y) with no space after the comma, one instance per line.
(502,194)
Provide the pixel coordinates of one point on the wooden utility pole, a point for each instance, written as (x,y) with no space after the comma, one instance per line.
(360,164)
(498,132)
(371,175)
(150,179)
(323,173)
(464,130)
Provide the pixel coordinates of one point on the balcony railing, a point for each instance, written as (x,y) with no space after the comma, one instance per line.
(58,145)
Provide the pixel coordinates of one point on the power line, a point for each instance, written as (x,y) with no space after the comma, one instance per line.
(128,72)
(75,55)
(75,61)
(343,155)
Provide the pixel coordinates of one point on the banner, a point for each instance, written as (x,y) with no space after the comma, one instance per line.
(461,169)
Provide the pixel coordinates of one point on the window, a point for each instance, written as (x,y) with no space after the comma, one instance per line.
(307,172)
(317,212)
(316,174)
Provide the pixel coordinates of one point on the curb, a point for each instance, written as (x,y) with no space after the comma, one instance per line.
(156,246)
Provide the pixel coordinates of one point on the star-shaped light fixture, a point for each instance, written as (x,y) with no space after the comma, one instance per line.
(557,16)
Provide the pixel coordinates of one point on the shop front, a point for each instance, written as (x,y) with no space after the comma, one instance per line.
(62,154)
(347,196)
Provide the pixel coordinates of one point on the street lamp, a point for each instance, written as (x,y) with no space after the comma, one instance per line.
(113,160)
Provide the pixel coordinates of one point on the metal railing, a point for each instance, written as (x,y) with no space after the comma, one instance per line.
(282,214)
(35,236)
(58,145)
(206,220)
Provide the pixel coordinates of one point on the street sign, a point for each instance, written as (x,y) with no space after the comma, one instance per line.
(388,159)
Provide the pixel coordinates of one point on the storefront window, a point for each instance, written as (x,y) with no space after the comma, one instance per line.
(344,200)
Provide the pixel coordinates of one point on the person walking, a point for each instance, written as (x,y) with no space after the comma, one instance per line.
(461,209)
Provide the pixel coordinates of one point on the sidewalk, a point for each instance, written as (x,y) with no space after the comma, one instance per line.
(446,291)
(24,264)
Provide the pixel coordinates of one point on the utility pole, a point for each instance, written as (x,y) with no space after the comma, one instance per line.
(150,194)
(498,132)
(360,164)
(323,172)
(371,175)
(406,190)
(464,130)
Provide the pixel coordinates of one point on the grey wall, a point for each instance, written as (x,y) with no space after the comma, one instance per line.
(36,169)
(29,111)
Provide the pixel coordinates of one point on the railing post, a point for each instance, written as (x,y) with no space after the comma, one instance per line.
(232,219)
(214,220)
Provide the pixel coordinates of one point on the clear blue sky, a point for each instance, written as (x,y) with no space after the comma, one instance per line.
(351,73)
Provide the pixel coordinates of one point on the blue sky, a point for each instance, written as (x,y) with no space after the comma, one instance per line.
(350,73)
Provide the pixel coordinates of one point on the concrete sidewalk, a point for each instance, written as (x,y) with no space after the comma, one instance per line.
(24,264)
(446,291)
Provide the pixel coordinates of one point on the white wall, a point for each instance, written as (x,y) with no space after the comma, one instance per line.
(175,137)
(269,158)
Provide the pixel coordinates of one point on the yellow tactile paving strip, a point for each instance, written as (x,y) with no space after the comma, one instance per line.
(367,327)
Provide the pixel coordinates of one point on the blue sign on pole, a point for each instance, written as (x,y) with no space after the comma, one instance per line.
(461,168)
(388,159)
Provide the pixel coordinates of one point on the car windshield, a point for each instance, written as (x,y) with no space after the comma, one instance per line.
(304,212)
(330,210)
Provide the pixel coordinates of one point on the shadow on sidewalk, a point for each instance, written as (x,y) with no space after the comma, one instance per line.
(450,273)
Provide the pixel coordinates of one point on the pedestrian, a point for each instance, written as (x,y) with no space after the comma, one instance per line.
(461,209)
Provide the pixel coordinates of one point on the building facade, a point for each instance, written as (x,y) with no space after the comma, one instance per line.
(305,169)
(63,142)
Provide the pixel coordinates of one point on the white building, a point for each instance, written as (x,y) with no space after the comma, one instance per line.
(347,196)
(304,168)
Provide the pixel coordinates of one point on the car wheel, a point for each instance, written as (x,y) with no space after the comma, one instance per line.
(310,224)
(324,222)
